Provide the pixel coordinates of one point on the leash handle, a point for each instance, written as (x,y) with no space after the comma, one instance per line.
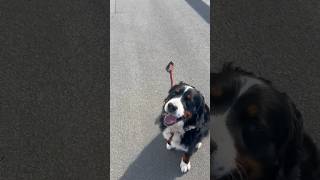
(169,69)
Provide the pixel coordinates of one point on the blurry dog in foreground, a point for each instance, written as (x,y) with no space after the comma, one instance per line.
(257,132)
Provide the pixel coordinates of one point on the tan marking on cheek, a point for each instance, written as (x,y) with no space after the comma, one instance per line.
(252,167)
(187,114)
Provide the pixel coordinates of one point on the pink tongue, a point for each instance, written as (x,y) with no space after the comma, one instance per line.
(170,119)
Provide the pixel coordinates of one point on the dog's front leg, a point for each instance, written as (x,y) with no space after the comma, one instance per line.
(185,163)
(168,145)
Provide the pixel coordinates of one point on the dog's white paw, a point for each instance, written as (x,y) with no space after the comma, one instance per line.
(184,166)
(169,147)
(198,146)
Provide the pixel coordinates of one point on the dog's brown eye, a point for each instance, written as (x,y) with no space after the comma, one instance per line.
(189,96)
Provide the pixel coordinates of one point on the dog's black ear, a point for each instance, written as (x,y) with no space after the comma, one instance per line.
(206,114)
(174,88)
(289,158)
(203,114)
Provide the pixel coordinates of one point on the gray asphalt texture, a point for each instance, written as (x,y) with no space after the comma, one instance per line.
(276,40)
(145,36)
(53,107)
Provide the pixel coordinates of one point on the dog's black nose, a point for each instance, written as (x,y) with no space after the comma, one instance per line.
(172,108)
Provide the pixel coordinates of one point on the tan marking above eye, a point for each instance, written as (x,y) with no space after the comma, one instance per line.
(189,96)
(216,91)
(252,110)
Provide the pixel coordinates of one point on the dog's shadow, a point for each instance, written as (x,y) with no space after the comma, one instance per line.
(155,162)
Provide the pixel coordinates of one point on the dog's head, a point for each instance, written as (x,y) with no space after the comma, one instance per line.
(256,130)
(184,104)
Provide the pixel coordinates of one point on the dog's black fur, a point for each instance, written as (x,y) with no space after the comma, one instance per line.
(266,127)
(198,116)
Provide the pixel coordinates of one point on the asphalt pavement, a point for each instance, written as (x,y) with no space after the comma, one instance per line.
(145,36)
(53,120)
(278,41)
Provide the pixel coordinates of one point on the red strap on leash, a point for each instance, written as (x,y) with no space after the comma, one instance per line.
(169,69)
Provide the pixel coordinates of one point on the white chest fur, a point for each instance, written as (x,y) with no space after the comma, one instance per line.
(225,155)
(178,132)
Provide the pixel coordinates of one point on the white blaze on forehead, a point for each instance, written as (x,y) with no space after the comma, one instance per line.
(247,83)
(187,88)
(178,103)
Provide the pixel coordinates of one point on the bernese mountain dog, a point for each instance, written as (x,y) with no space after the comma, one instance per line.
(184,121)
(257,132)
